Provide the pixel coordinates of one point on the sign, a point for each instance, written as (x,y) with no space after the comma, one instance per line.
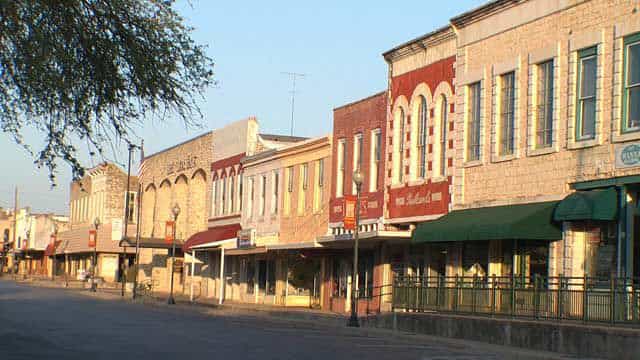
(349,212)
(420,200)
(181,165)
(92,238)
(169,229)
(116,229)
(627,155)
(246,238)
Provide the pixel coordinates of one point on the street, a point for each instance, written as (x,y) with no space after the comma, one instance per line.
(45,323)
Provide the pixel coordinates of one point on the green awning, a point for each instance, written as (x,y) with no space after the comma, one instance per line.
(601,204)
(526,221)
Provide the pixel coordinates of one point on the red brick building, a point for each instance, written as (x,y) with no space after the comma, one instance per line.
(419,141)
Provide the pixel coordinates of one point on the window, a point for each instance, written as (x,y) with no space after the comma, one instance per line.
(250,197)
(507,113)
(232,194)
(223,196)
(131,206)
(473,122)
(263,193)
(341,163)
(631,93)
(290,180)
(287,194)
(302,187)
(422,138)
(251,275)
(305,176)
(240,192)
(317,191)
(544,105)
(401,146)
(443,135)
(586,103)
(276,188)
(214,198)
(376,157)
(357,157)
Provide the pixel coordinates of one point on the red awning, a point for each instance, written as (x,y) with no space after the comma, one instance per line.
(51,248)
(214,234)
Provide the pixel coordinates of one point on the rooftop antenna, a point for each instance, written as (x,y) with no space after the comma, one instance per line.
(294,76)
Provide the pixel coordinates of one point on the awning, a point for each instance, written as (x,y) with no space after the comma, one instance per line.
(148,243)
(217,233)
(526,221)
(600,204)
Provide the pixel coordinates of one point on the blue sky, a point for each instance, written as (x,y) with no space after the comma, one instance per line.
(337,43)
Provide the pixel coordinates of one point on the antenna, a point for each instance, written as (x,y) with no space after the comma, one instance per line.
(294,76)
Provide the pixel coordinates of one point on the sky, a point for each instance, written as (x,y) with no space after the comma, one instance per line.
(337,44)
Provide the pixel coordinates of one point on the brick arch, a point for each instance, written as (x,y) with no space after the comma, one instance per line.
(196,219)
(162,205)
(422,91)
(443,89)
(444,97)
(199,172)
(148,209)
(399,118)
(180,196)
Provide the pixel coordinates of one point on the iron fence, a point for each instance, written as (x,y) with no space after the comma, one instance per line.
(613,300)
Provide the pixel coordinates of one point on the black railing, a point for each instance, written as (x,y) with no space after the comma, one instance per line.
(613,300)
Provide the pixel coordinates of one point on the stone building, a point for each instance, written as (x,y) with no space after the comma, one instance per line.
(100,196)
(546,161)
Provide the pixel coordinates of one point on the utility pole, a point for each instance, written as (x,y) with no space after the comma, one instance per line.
(15,225)
(294,76)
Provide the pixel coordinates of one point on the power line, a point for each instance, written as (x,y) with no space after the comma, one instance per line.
(294,76)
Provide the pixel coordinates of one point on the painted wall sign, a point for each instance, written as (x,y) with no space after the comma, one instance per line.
(420,200)
(370,207)
(92,238)
(627,155)
(181,165)
(116,229)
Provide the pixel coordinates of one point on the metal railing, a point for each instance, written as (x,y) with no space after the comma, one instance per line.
(613,300)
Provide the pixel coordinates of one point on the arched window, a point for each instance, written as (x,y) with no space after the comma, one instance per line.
(444,111)
(422,137)
(401,136)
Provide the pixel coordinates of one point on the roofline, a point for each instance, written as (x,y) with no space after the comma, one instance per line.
(482,11)
(383,92)
(424,39)
(176,145)
(282,151)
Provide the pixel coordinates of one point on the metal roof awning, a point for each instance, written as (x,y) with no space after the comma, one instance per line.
(213,244)
(149,243)
(367,236)
(214,234)
(533,221)
(294,246)
(599,204)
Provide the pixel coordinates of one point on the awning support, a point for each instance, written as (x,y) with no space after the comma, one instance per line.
(193,269)
(222,276)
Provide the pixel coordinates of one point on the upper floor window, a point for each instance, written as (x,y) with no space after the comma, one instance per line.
(544,104)
(276,189)
(473,122)
(507,113)
(399,141)
(287,194)
(317,192)
(305,176)
(340,168)
(251,196)
(232,193)
(223,200)
(423,113)
(130,203)
(357,157)
(440,157)
(631,92)
(240,191)
(263,194)
(214,198)
(376,158)
(586,103)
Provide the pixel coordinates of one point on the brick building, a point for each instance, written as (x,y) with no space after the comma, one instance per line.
(419,138)
(546,167)
(100,194)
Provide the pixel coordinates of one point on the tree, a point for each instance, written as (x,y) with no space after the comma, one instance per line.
(91,70)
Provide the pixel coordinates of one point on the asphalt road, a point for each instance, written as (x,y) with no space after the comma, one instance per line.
(43,323)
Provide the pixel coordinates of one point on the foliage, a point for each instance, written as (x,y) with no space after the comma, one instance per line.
(93,70)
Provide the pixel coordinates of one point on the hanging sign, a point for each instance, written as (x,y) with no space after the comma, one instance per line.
(349,212)
(92,238)
(168,231)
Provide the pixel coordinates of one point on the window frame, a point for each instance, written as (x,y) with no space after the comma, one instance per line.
(276,190)
(423,134)
(263,194)
(547,106)
(585,54)
(474,124)
(507,115)
(401,146)
(376,157)
(340,178)
(629,41)
(444,123)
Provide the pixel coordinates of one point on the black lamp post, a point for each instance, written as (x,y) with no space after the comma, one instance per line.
(96,223)
(353,319)
(176,211)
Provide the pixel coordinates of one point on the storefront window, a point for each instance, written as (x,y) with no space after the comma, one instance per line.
(365,275)
(303,275)
(251,274)
(339,279)
(475,258)
(600,248)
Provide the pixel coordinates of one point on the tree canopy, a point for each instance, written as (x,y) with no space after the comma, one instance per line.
(91,70)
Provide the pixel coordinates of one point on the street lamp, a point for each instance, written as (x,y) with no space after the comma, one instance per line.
(96,223)
(175,211)
(353,319)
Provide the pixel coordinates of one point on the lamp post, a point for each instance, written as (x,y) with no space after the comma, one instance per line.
(53,258)
(175,211)
(96,223)
(353,319)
